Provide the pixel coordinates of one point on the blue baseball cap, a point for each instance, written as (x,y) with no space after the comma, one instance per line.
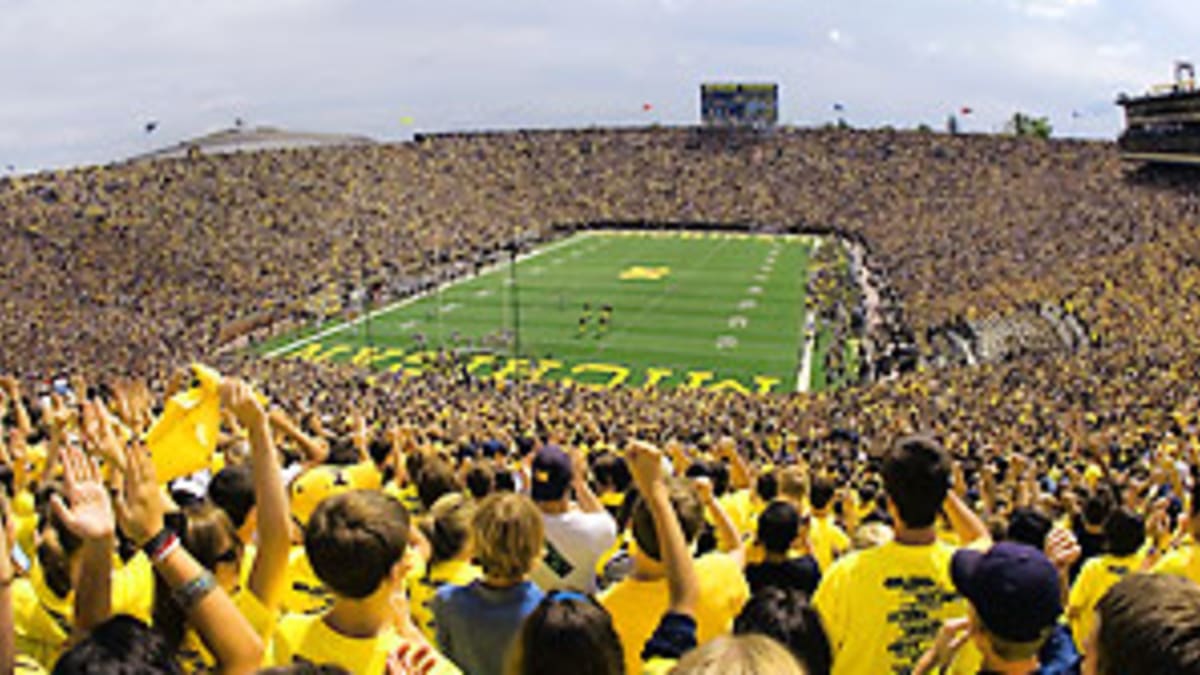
(551,474)
(1014,589)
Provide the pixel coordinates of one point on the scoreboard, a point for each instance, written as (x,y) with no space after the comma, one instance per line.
(739,104)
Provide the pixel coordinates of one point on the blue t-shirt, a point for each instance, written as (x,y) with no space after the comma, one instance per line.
(476,623)
(1059,656)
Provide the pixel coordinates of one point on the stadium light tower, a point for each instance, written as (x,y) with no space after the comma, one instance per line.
(364,285)
(513,247)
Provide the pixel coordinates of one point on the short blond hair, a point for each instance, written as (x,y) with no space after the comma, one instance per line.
(508,535)
(793,484)
(870,535)
(739,655)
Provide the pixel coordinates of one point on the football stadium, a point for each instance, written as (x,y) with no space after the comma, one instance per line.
(731,392)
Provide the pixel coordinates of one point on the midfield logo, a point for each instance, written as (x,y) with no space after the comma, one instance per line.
(639,273)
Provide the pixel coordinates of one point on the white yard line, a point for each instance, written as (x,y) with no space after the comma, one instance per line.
(804,375)
(296,344)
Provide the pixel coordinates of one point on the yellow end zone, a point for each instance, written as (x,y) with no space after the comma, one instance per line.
(590,375)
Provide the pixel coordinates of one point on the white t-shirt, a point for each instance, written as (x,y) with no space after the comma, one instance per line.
(574,543)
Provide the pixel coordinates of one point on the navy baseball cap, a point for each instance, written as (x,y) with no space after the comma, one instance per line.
(551,474)
(1014,589)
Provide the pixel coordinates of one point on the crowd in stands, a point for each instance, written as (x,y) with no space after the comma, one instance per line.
(1043,515)
(355,547)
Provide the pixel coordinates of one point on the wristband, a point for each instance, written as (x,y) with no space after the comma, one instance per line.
(192,592)
(161,545)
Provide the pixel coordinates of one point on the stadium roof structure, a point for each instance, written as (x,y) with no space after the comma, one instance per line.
(1163,126)
(238,139)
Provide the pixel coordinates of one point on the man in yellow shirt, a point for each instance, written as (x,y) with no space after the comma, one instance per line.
(1124,536)
(1185,560)
(637,602)
(357,543)
(882,607)
(829,541)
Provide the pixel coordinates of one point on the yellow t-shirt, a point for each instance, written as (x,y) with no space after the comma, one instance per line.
(1095,578)
(612,500)
(1183,562)
(421,590)
(249,553)
(308,638)
(620,545)
(882,607)
(637,606)
(41,620)
(27,534)
(305,594)
(828,540)
(408,497)
(133,587)
(23,665)
(740,509)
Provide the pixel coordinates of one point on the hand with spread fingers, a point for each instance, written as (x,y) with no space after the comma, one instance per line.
(87,511)
(412,659)
(140,506)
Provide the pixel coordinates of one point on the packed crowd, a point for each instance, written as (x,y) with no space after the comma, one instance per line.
(319,544)
(961,226)
(518,527)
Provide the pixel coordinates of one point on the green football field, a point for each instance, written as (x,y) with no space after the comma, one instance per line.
(708,310)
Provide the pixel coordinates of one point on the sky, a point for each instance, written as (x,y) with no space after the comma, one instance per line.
(79,79)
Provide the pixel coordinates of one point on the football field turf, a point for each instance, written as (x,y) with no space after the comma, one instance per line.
(709,310)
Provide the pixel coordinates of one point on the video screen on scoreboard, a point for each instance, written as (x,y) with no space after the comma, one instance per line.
(739,104)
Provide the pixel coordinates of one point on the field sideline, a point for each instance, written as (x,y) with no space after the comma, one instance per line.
(709,310)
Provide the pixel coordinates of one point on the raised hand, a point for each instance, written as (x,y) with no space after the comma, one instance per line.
(579,465)
(99,435)
(704,487)
(89,514)
(238,397)
(412,659)
(950,638)
(1062,548)
(140,505)
(61,415)
(645,463)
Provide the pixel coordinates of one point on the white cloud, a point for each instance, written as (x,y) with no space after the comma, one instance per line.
(1050,9)
(1119,50)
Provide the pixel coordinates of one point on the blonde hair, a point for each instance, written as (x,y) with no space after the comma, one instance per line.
(870,535)
(793,484)
(508,535)
(739,655)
